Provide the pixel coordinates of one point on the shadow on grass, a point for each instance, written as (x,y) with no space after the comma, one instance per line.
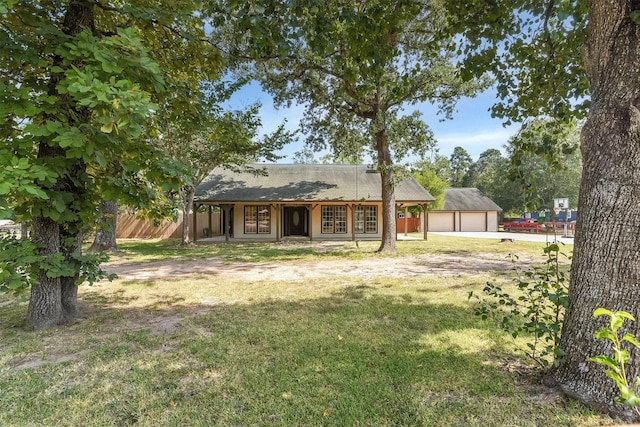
(352,357)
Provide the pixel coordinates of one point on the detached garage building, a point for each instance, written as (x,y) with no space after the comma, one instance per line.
(465,209)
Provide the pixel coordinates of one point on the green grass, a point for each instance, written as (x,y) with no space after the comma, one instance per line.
(336,351)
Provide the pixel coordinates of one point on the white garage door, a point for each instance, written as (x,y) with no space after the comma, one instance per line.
(473,221)
(441,221)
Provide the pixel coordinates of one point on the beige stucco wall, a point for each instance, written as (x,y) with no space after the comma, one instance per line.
(238,224)
(492,221)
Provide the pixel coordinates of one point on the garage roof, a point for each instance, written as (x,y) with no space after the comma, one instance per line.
(467,199)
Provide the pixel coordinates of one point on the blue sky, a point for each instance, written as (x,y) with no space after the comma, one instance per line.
(471,127)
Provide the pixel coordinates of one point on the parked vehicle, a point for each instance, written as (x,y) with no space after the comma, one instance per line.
(524,224)
(530,225)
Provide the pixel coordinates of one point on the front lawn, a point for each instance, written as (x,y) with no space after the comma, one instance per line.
(340,350)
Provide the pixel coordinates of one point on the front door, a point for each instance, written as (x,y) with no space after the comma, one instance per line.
(296,220)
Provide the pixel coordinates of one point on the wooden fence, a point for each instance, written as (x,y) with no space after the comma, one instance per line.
(130,227)
(413,225)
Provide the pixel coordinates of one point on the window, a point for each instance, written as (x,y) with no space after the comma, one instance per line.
(257,220)
(366,219)
(334,219)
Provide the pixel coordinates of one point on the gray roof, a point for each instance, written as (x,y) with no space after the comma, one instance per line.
(467,199)
(304,183)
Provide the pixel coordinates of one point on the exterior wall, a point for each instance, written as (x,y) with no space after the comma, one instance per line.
(239,226)
(492,221)
(442,221)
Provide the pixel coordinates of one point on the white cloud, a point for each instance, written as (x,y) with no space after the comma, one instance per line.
(475,142)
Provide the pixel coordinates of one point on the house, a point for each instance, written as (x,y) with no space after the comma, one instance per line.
(315,202)
(465,209)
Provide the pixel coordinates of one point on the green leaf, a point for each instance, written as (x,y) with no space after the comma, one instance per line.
(621,355)
(630,338)
(607,361)
(616,321)
(107,128)
(606,334)
(35,191)
(602,312)
(625,315)
(100,159)
(5,187)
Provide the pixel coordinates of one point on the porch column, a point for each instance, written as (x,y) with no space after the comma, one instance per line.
(396,222)
(310,208)
(226,221)
(353,222)
(425,220)
(406,221)
(210,221)
(278,208)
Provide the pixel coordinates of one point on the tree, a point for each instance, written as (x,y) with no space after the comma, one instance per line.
(431,182)
(227,139)
(355,66)
(437,163)
(81,81)
(545,172)
(531,49)
(483,169)
(490,175)
(460,162)
(305,156)
(105,238)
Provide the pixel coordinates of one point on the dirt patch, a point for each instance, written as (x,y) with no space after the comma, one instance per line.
(374,266)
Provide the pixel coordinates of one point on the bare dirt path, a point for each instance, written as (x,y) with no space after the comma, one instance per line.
(374,266)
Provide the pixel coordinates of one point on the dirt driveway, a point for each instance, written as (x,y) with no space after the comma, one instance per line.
(370,267)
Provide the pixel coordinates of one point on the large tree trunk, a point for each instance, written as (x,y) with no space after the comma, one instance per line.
(186,209)
(385,167)
(71,247)
(45,306)
(606,266)
(105,239)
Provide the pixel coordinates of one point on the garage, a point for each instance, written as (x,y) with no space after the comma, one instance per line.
(465,209)
(441,221)
(473,221)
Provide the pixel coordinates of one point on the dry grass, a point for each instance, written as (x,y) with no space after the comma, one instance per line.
(338,350)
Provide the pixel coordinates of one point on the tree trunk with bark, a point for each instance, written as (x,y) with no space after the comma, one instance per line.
(385,167)
(45,304)
(71,247)
(186,210)
(605,271)
(105,239)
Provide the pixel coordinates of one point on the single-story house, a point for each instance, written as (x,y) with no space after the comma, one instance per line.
(465,209)
(317,202)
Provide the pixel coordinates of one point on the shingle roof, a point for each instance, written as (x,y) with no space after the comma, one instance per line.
(467,199)
(303,182)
